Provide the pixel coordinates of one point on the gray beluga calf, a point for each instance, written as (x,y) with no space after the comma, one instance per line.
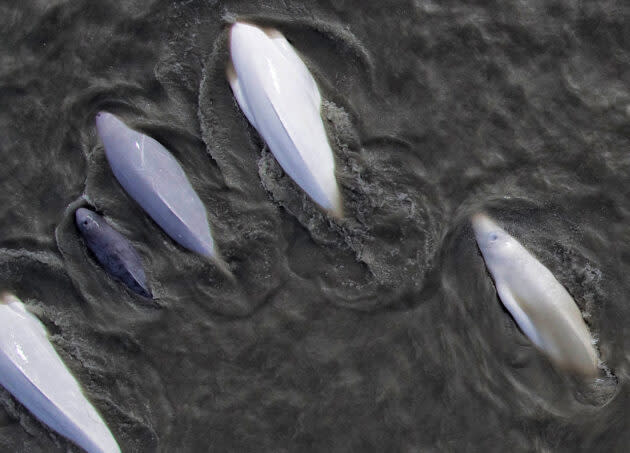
(280,98)
(157,182)
(541,306)
(113,251)
(32,371)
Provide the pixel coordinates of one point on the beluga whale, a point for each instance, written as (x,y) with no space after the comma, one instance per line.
(113,251)
(32,371)
(156,181)
(540,305)
(280,98)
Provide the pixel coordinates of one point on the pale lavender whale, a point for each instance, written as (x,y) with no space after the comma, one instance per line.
(157,182)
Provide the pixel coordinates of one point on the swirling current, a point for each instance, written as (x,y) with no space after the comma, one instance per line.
(379,332)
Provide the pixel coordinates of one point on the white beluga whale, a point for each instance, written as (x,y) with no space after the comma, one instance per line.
(157,182)
(33,373)
(541,306)
(280,98)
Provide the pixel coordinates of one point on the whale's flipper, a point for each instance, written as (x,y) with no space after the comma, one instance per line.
(516,310)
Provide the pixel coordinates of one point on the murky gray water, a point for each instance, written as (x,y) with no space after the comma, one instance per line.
(381,332)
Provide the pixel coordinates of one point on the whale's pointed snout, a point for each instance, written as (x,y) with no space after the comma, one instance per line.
(103,121)
(237,27)
(81,215)
(482,224)
(6,298)
(240,32)
(84,219)
(102,117)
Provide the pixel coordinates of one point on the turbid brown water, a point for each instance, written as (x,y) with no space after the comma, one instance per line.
(380,332)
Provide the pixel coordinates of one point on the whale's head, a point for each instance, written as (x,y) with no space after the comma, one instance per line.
(114,134)
(105,121)
(7,298)
(491,238)
(86,221)
(241,32)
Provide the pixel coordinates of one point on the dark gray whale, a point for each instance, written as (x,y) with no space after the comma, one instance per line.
(113,251)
